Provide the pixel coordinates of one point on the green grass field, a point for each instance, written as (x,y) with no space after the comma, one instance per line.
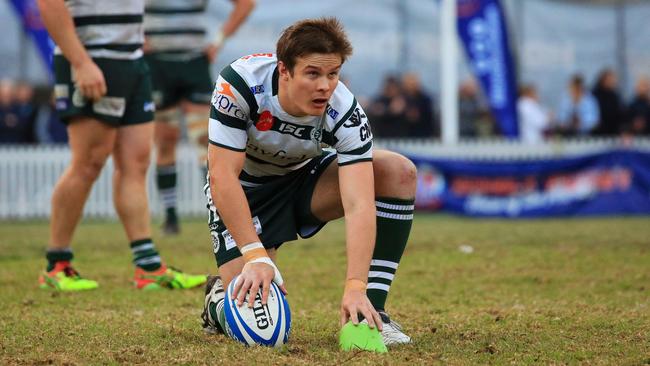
(571,291)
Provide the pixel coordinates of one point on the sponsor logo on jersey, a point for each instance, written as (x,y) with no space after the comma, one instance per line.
(355,119)
(61,91)
(332,112)
(226,90)
(157,97)
(365,132)
(288,128)
(149,107)
(260,153)
(62,104)
(358,119)
(110,106)
(225,101)
(265,122)
(257,55)
(229,241)
(215,241)
(78,99)
(257,89)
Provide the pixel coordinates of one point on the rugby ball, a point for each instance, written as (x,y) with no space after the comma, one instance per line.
(266,325)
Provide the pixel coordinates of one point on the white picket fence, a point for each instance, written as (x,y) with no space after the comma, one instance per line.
(28,173)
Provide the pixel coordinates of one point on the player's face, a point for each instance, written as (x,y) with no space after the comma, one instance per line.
(314,79)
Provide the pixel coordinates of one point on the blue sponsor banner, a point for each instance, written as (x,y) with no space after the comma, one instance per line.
(609,183)
(29,15)
(483,30)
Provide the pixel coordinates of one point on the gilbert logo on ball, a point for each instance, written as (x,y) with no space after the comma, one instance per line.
(265,122)
(266,325)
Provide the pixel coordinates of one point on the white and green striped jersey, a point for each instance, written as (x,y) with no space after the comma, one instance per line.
(108,29)
(244,103)
(175,26)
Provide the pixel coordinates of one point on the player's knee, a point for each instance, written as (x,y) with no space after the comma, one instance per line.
(407,172)
(136,164)
(142,160)
(396,170)
(90,168)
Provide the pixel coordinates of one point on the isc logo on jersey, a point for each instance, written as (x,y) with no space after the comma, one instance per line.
(224,100)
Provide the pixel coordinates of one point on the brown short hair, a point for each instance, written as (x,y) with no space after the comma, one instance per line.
(323,35)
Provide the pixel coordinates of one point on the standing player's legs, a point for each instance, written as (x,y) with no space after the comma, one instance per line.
(91,142)
(131,158)
(188,82)
(166,136)
(395,185)
(197,120)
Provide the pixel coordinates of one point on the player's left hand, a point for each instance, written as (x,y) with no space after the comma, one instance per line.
(356,302)
(211,51)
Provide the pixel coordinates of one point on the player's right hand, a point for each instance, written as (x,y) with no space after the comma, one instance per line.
(254,276)
(356,302)
(89,79)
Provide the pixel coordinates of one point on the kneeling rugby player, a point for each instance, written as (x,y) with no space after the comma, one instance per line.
(270,179)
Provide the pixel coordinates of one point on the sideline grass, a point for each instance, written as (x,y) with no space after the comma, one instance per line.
(572,291)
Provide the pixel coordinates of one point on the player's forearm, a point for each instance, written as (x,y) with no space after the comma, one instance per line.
(59,24)
(240,12)
(231,203)
(360,231)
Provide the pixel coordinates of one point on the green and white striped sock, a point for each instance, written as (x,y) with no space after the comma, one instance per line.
(145,254)
(394,219)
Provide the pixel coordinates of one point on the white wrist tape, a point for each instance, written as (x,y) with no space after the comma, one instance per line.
(218,39)
(278,277)
(248,247)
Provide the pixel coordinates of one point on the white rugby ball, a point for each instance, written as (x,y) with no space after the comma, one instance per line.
(267,325)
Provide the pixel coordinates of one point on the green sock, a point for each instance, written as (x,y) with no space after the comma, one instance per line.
(145,254)
(217,312)
(58,255)
(166,183)
(394,218)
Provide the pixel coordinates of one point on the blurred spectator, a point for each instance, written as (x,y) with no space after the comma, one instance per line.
(387,111)
(419,107)
(473,114)
(534,119)
(609,104)
(639,109)
(16,113)
(578,113)
(49,128)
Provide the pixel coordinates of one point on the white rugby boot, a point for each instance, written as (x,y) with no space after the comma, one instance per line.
(392,331)
(213,305)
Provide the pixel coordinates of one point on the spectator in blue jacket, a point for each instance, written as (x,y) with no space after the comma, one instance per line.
(578,114)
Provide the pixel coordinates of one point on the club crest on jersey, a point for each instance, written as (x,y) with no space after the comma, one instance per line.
(265,122)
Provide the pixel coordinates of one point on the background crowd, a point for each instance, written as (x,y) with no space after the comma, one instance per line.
(404,108)
(28,115)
